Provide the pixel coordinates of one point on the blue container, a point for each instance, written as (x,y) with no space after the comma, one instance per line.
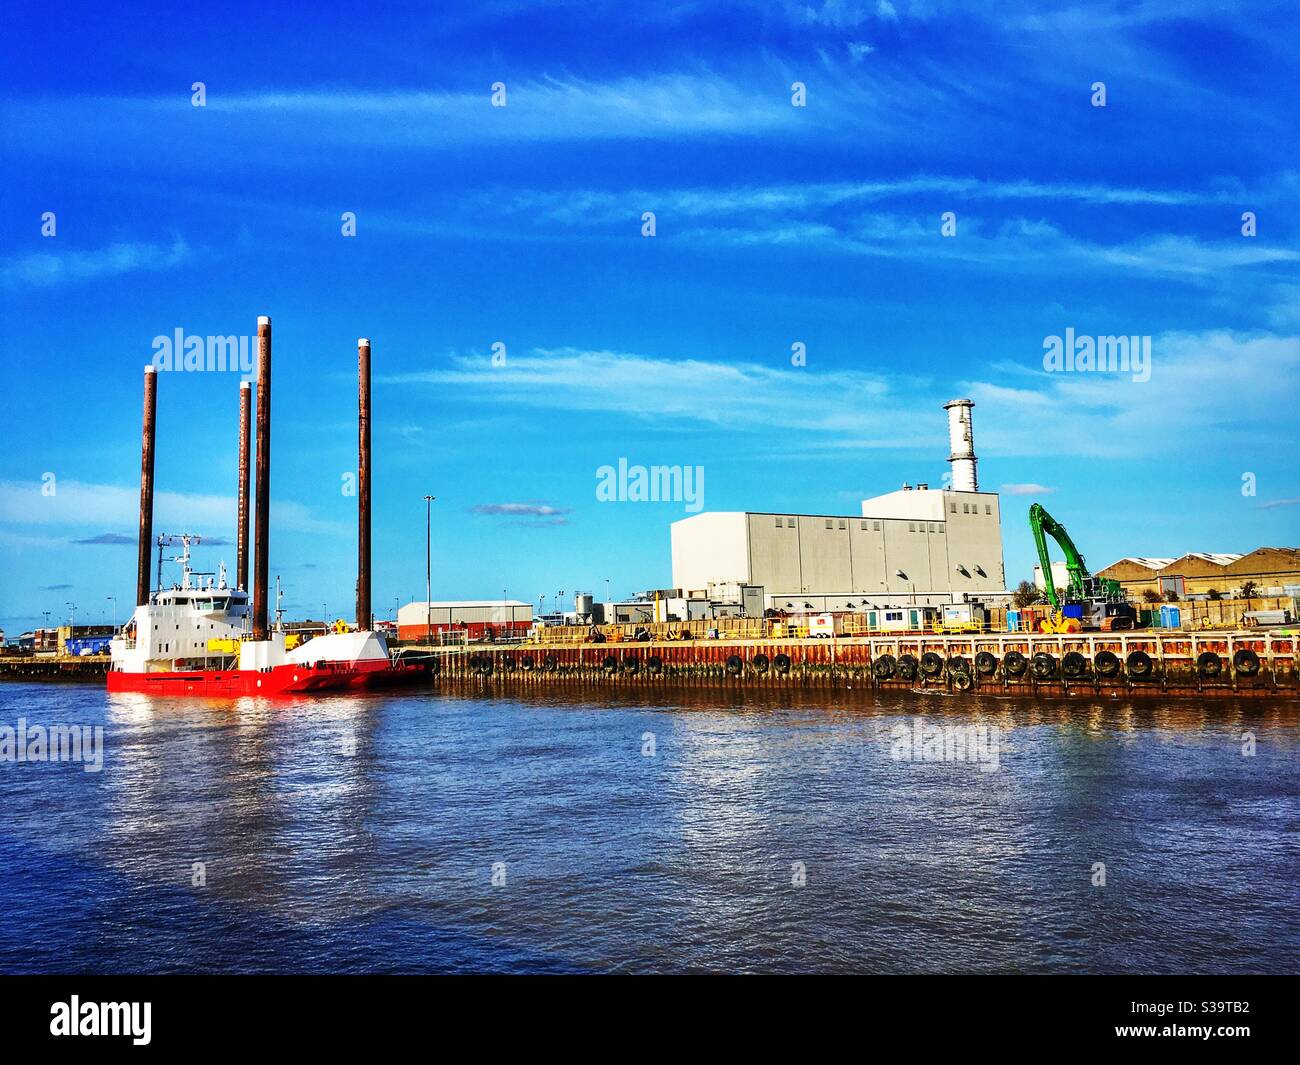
(1170,617)
(1072,610)
(1013,621)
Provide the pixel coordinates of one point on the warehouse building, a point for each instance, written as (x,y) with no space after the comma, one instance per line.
(478,618)
(917,545)
(1274,571)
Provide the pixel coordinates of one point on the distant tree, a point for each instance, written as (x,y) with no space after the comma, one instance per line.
(1249,590)
(1213,593)
(1026,594)
(1171,596)
(1151,596)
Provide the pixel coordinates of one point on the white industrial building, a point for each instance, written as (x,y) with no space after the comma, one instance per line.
(917,545)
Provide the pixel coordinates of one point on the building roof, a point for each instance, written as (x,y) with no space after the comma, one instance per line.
(1149,563)
(469,603)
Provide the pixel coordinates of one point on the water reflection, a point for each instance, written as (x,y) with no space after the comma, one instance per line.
(373,824)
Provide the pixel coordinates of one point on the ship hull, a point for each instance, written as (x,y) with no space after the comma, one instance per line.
(283,680)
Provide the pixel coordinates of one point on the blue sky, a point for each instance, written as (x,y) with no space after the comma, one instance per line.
(521,225)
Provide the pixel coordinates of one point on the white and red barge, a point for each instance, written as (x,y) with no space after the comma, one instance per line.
(204,637)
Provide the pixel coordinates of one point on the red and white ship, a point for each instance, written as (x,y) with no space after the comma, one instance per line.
(205,637)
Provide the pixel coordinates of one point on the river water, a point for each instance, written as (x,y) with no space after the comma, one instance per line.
(653,830)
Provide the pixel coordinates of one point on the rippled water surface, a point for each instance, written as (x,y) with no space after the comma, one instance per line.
(364,833)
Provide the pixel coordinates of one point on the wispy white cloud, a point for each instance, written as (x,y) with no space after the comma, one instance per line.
(79,505)
(1029,489)
(57,266)
(1197,380)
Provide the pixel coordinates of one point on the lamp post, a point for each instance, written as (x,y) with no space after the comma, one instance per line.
(428,568)
(72,614)
(113,600)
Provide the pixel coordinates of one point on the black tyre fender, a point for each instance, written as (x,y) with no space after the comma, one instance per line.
(654,665)
(1208,664)
(1246,662)
(931,664)
(632,664)
(958,665)
(1139,664)
(610,664)
(907,667)
(1014,664)
(1074,665)
(1043,666)
(735,665)
(527,664)
(986,663)
(484,665)
(1106,664)
(883,667)
(781,663)
(761,663)
(963,682)
(550,663)
(508,663)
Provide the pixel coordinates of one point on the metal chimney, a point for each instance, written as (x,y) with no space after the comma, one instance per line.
(241,534)
(961,440)
(145,547)
(364,618)
(262,529)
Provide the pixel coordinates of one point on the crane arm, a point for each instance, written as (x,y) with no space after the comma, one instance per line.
(1043,525)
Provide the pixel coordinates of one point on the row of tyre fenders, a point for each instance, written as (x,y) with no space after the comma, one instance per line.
(1106,665)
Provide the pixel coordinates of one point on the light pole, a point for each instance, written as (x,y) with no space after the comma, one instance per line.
(325,617)
(396,602)
(72,614)
(428,568)
(113,600)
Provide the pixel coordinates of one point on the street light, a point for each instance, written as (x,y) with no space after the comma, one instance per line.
(113,600)
(72,614)
(911,584)
(428,568)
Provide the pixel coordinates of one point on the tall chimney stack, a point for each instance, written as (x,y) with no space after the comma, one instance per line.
(262,529)
(364,619)
(961,439)
(241,533)
(144,557)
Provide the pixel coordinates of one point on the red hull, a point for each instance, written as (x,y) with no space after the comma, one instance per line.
(280,680)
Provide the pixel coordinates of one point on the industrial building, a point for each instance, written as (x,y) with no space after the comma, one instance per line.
(918,545)
(478,618)
(1274,571)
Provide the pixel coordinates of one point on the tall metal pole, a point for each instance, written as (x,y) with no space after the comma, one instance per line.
(364,620)
(262,544)
(144,548)
(428,568)
(241,532)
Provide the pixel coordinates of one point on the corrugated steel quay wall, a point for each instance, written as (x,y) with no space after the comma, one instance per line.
(1175,663)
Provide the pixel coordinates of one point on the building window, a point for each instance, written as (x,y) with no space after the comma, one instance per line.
(988,508)
(911,526)
(877,526)
(934,527)
(1173,584)
(954,508)
(864,526)
(830,524)
(843,523)
(965,508)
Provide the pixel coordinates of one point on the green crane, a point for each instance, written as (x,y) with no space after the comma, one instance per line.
(1083,586)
